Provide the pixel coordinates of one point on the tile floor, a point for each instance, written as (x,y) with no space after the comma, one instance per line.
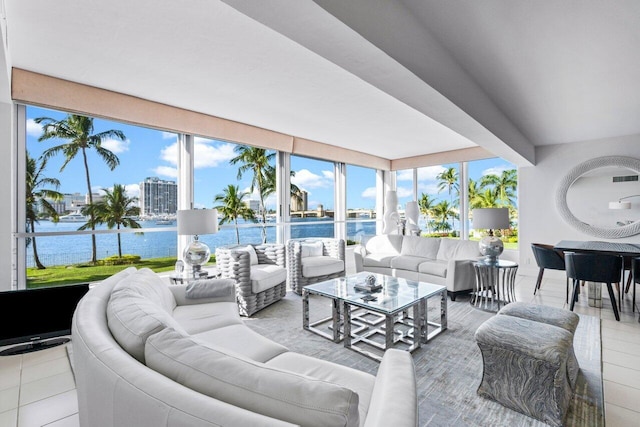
(37,389)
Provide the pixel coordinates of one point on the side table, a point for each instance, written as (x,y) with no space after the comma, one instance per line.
(495,284)
(188,277)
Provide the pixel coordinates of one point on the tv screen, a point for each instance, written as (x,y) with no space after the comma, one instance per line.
(32,316)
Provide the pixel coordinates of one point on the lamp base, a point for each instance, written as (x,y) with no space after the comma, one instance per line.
(195,255)
(491,247)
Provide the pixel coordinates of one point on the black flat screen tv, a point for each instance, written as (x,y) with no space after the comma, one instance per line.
(37,318)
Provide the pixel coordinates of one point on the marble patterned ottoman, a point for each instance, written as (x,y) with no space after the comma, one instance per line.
(525,366)
(564,319)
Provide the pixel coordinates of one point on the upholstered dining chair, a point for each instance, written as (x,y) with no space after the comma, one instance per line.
(312,260)
(259,271)
(594,267)
(635,272)
(548,258)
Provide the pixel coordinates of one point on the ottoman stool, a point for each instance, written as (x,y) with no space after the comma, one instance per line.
(525,366)
(564,319)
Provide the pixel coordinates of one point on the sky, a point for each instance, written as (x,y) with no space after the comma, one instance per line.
(152,153)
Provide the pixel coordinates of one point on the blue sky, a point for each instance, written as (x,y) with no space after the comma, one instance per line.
(147,152)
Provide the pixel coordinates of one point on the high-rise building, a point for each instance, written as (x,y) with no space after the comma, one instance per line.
(254,205)
(158,197)
(300,204)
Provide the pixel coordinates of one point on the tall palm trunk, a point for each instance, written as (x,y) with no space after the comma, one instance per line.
(36,258)
(235,220)
(94,249)
(119,244)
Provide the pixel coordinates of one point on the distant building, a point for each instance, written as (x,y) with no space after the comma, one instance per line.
(254,205)
(300,204)
(73,202)
(158,197)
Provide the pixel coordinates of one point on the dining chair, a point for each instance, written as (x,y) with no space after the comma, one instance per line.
(635,271)
(594,267)
(550,259)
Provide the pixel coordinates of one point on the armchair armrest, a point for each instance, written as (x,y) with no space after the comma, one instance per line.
(225,291)
(359,252)
(394,401)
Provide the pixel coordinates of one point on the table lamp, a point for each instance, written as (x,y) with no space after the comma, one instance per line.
(195,222)
(491,219)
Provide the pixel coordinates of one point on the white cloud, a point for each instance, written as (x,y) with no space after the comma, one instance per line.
(496,170)
(369,193)
(116,146)
(132,190)
(429,173)
(305,179)
(166,171)
(427,188)
(169,135)
(206,155)
(404,192)
(33,128)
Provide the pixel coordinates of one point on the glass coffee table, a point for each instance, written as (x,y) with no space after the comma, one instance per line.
(380,320)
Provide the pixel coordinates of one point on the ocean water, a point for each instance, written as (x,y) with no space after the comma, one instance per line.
(73,249)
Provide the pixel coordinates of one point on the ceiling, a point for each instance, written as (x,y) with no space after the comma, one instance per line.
(395,79)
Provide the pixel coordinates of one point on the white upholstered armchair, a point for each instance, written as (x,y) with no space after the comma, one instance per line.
(313,260)
(259,272)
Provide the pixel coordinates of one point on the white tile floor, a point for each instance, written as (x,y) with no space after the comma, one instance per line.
(37,389)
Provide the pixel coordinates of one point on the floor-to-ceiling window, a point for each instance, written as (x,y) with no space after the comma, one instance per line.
(438,189)
(312,197)
(361,203)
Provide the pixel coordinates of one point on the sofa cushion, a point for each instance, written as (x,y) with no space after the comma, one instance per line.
(378,259)
(254,386)
(147,283)
(244,341)
(196,318)
(358,381)
(425,247)
(434,267)
(266,276)
(407,262)
(310,249)
(458,249)
(321,266)
(384,243)
(132,318)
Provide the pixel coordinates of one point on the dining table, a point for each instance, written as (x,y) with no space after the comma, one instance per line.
(625,250)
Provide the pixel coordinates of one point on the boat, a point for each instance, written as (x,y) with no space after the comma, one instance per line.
(73,217)
(164,220)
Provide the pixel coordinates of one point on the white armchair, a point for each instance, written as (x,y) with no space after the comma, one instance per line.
(259,272)
(313,260)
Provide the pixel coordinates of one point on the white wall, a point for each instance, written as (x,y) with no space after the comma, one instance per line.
(539,219)
(6,195)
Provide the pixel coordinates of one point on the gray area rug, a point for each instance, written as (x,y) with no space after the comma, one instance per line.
(448,368)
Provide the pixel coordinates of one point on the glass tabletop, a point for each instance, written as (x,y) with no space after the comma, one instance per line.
(499,263)
(396,294)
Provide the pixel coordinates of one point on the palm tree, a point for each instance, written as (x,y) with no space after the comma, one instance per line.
(258,161)
(37,195)
(231,207)
(426,204)
(441,213)
(78,131)
(504,185)
(449,181)
(115,209)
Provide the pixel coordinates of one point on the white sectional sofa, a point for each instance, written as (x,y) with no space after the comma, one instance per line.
(146,353)
(443,261)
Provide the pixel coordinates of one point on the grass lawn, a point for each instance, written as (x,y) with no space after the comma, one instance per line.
(65,275)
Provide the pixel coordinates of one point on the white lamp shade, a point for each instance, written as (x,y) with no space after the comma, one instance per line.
(194,222)
(619,205)
(491,218)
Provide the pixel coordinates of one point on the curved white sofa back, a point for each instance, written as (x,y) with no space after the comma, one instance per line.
(115,390)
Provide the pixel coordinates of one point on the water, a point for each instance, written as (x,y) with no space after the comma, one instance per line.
(73,249)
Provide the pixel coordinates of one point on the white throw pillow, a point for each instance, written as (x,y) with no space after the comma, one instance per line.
(251,385)
(253,256)
(311,249)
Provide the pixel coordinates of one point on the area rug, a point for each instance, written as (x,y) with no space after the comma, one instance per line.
(448,368)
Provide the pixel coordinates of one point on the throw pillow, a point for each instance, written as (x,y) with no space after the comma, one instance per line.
(253,256)
(311,249)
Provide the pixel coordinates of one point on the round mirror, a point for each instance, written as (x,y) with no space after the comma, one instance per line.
(588,197)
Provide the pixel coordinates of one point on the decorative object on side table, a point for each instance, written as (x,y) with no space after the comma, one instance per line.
(412,214)
(197,222)
(622,205)
(491,219)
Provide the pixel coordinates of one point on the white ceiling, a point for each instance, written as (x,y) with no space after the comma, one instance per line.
(394,79)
